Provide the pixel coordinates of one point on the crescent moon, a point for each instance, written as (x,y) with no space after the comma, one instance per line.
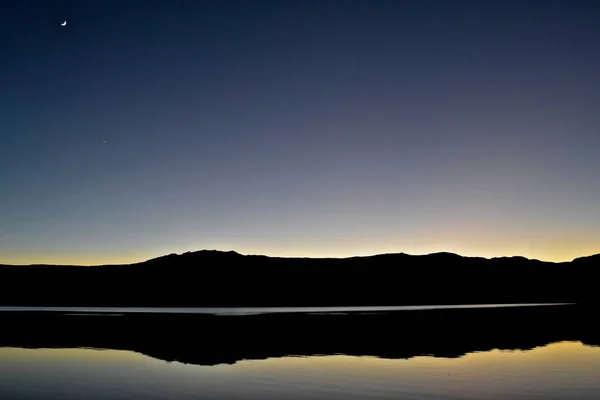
(63,23)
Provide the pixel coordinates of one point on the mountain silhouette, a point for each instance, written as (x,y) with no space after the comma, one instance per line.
(216,278)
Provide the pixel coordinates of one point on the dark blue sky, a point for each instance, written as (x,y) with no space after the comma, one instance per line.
(298,128)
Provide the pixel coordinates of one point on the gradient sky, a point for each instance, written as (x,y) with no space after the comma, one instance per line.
(298,128)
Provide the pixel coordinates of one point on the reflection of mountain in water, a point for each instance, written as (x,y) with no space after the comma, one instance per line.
(209,340)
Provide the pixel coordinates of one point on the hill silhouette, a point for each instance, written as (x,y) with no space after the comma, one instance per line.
(215,278)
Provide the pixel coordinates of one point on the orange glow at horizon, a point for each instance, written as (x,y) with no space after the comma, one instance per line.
(553,249)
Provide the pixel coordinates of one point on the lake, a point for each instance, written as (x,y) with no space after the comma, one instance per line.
(256,310)
(526,352)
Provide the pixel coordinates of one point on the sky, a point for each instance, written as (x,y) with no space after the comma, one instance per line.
(298,128)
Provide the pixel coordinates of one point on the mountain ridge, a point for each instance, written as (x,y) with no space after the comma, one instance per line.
(214,278)
(234,253)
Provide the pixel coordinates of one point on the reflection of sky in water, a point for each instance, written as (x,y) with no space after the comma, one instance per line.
(258,310)
(566,370)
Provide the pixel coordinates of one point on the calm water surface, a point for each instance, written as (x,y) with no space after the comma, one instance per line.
(261,310)
(564,370)
(477,353)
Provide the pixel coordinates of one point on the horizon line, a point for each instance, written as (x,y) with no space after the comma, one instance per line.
(298,257)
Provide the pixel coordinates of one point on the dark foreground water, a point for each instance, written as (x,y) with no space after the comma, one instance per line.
(501,353)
